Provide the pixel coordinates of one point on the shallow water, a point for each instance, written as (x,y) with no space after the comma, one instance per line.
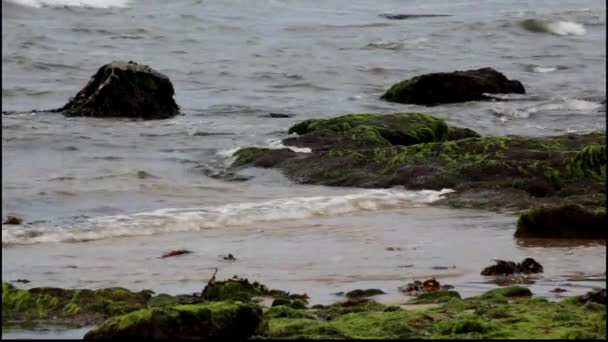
(136,190)
(320,256)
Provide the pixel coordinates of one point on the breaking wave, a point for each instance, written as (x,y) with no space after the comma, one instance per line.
(560,28)
(171,220)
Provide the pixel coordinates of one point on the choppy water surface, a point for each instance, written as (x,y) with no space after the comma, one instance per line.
(234,62)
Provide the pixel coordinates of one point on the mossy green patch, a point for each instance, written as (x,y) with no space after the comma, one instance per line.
(481,317)
(571,220)
(217,319)
(436,297)
(396,129)
(364,293)
(70,307)
(240,289)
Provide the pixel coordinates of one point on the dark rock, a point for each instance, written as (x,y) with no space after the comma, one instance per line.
(458,86)
(558,290)
(501,268)
(13,220)
(595,296)
(418,287)
(411,16)
(568,221)
(364,293)
(527,266)
(128,90)
(24,281)
(175,253)
(229,257)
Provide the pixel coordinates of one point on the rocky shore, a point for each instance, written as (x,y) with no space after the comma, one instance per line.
(560,178)
(237,308)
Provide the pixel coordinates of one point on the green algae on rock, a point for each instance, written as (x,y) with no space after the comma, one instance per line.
(436,297)
(240,289)
(205,320)
(478,317)
(508,172)
(70,307)
(567,221)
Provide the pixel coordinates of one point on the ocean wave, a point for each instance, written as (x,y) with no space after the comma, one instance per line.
(171,220)
(560,28)
(71,3)
(571,105)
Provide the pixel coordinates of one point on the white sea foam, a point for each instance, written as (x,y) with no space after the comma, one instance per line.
(565,28)
(72,3)
(544,69)
(172,220)
(509,111)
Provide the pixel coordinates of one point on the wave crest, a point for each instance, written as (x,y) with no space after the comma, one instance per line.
(171,220)
(560,28)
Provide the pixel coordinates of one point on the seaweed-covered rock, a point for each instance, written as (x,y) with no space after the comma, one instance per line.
(240,289)
(458,86)
(394,129)
(436,297)
(68,307)
(568,221)
(595,296)
(364,293)
(508,292)
(207,320)
(508,172)
(128,90)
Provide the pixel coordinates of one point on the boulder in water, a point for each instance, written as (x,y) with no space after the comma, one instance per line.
(128,90)
(458,86)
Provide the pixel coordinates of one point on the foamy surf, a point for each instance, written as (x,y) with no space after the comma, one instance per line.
(569,105)
(71,3)
(172,220)
(560,28)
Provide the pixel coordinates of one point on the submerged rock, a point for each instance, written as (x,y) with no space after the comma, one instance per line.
(175,253)
(411,16)
(364,293)
(205,320)
(128,90)
(502,267)
(567,221)
(458,86)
